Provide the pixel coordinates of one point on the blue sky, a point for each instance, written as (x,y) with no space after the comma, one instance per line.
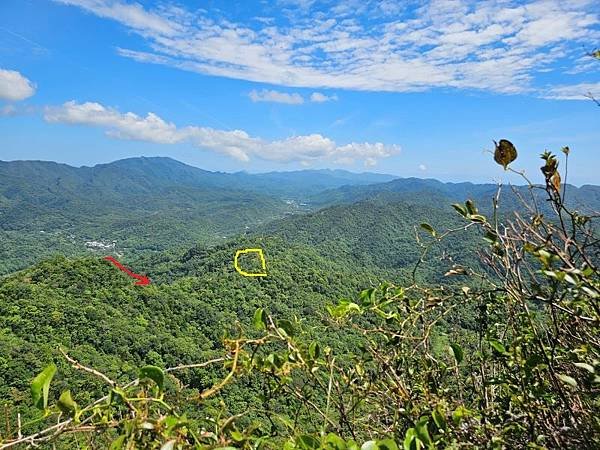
(408,88)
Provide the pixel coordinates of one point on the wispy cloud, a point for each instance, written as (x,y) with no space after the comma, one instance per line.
(8,111)
(14,86)
(581,91)
(237,143)
(160,23)
(317,97)
(498,46)
(275,97)
(294,98)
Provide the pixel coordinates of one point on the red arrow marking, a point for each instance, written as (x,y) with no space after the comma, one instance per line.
(142,280)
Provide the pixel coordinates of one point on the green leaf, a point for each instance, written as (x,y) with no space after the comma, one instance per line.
(429,229)
(585,366)
(154,373)
(567,379)
(369,445)
(343,308)
(172,422)
(409,437)
(307,442)
(421,430)
(505,153)
(590,292)
(457,352)
(497,346)
(491,237)
(459,414)
(439,418)
(478,218)
(117,395)
(237,436)
(460,209)
(40,386)
(471,207)
(352,445)
(367,296)
(259,321)
(286,326)
(314,350)
(66,403)
(334,442)
(387,444)
(117,444)
(275,360)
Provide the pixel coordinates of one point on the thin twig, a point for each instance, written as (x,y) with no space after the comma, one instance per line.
(80,366)
(197,366)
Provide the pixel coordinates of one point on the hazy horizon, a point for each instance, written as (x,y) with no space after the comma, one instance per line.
(412,90)
(338,169)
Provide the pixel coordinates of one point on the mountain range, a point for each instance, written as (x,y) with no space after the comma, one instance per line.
(329,238)
(143,205)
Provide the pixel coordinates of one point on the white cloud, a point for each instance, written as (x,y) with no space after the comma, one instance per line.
(294,98)
(237,143)
(132,15)
(317,97)
(275,97)
(492,45)
(422,167)
(8,111)
(123,126)
(14,86)
(581,91)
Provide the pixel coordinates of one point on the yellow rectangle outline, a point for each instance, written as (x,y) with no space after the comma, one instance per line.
(262,262)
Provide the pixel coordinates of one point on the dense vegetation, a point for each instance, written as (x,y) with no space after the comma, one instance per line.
(492,342)
(141,205)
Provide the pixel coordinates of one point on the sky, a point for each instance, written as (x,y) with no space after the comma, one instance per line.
(410,88)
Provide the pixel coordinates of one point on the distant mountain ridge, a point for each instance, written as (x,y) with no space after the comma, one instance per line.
(142,204)
(322,186)
(145,205)
(586,197)
(167,171)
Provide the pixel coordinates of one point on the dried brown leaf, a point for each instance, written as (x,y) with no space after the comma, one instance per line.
(505,152)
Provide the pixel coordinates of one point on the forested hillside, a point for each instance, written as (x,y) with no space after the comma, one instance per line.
(228,225)
(195,299)
(586,197)
(396,320)
(140,205)
(379,233)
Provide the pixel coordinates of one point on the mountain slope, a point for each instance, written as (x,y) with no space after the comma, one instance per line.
(141,175)
(378,233)
(586,197)
(97,313)
(140,205)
